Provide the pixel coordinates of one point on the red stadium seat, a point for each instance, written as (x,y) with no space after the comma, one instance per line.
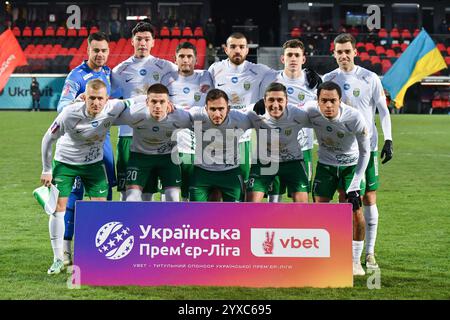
(16,31)
(94,29)
(164,32)
(49,31)
(385,64)
(370,46)
(448,51)
(296,32)
(416,32)
(441,47)
(394,33)
(37,32)
(176,32)
(380,50)
(83,32)
(187,32)
(61,32)
(26,32)
(403,46)
(406,34)
(364,56)
(382,34)
(447,60)
(198,32)
(390,53)
(71,32)
(375,59)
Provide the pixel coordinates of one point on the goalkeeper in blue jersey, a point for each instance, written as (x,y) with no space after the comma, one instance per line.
(75,84)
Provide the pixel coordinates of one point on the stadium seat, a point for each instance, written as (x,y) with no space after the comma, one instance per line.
(94,29)
(198,32)
(49,31)
(385,65)
(416,32)
(83,32)
(16,31)
(37,32)
(176,32)
(360,46)
(164,32)
(382,34)
(380,50)
(370,46)
(406,34)
(61,32)
(71,32)
(441,47)
(187,32)
(390,53)
(364,56)
(403,46)
(375,59)
(26,32)
(394,34)
(296,33)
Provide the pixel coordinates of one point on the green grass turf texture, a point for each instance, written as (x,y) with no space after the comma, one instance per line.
(413,245)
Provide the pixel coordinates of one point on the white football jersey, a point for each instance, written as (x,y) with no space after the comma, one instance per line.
(298,94)
(187,92)
(150,136)
(80,136)
(241,83)
(134,76)
(288,126)
(343,141)
(362,89)
(217,146)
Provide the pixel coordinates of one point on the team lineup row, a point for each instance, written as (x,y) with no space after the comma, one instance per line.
(347,142)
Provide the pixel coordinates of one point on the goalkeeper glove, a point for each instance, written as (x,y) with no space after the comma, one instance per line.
(355,199)
(313,78)
(387,151)
(259,107)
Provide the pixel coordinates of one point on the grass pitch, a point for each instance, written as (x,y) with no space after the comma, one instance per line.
(413,245)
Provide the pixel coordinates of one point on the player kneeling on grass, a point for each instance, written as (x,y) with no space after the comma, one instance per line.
(153,144)
(344,152)
(80,129)
(286,160)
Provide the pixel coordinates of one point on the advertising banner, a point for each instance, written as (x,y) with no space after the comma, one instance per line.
(213,244)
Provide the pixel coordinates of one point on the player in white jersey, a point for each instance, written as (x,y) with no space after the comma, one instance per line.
(80,130)
(217,132)
(299,91)
(153,154)
(133,77)
(241,81)
(344,152)
(282,122)
(362,89)
(187,88)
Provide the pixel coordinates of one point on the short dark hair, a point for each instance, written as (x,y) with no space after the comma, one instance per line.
(344,38)
(237,35)
(143,27)
(329,86)
(215,94)
(98,36)
(157,88)
(275,86)
(294,43)
(186,45)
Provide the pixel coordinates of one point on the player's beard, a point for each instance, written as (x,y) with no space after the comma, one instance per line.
(238,60)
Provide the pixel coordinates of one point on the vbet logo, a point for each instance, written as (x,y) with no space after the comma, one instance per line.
(114,241)
(307,243)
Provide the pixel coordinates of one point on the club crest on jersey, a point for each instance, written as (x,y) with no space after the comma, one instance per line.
(197,96)
(142,72)
(107,124)
(186,90)
(287,132)
(329,129)
(247,85)
(156,76)
(356,92)
(290,90)
(234,79)
(94,124)
(340,134)
(155,129)
(301,96)
(346,86)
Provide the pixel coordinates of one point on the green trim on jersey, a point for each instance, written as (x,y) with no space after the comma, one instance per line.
(229,182)
(245,158)
(330,178)
(372,178)
(290,173)
(92,175)
(187,170)
(143,168)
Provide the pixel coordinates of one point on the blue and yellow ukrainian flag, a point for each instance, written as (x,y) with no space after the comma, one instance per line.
(420,59)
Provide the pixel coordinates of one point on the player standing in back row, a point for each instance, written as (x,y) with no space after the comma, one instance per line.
(362,90)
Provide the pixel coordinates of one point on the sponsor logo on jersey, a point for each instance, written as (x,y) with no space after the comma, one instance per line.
(329,129)
(87,76)
(197,96)
(247,85)
(94,124)
(234,79)
(346,86)
(186,90)
(290,90)
(156,76)
(155,129)
(128,80)
(142,72)
(340,134)
(356,92)
(220,84)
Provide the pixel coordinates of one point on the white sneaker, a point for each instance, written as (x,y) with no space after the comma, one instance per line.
(67,258)
(358,269)
(371,263)
(56,267)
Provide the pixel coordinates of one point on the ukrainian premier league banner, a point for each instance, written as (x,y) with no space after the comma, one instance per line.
(214,244)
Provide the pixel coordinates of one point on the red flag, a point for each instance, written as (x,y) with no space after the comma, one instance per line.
(11,56)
